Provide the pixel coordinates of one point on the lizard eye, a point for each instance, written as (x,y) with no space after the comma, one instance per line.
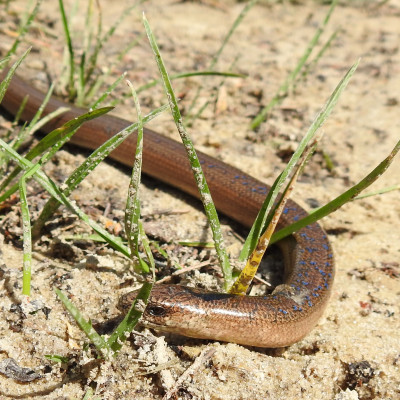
(156,311)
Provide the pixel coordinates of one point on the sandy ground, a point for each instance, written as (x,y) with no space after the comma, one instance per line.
(354,352)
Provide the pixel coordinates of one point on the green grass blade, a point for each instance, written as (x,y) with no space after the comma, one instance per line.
(132,209)
(190,117)
(86,326)
(6,81)
(146,246)
(4,62)
(94,237)
(321,52)
(204,191)
(71,59)
(259,224)
(23,29)
(43,121)
(57,138)
(89,395)
(312,44)
(131,319)
(15,172)
(377,192)
(3,88)
(109,90)
(211,100)
(91,62)
(284,88)
(100,42)
(80,90)
(27,239)
(232,29)
(145,242)
(20,110)
(88,32)
(345,197)
(26,228)
(203,245)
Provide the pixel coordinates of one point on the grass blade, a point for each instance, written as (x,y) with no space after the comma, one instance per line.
(23,29)
(321,52)
(4,62)
(345,197)
(232,29)
(27,239)
(109,90)
(146,246)
(204,191)
(86,326)
(377,192)
(121,333)
(132,209)
(284,88)
(101,41)
(190,117)
(71,81)
(6,81)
